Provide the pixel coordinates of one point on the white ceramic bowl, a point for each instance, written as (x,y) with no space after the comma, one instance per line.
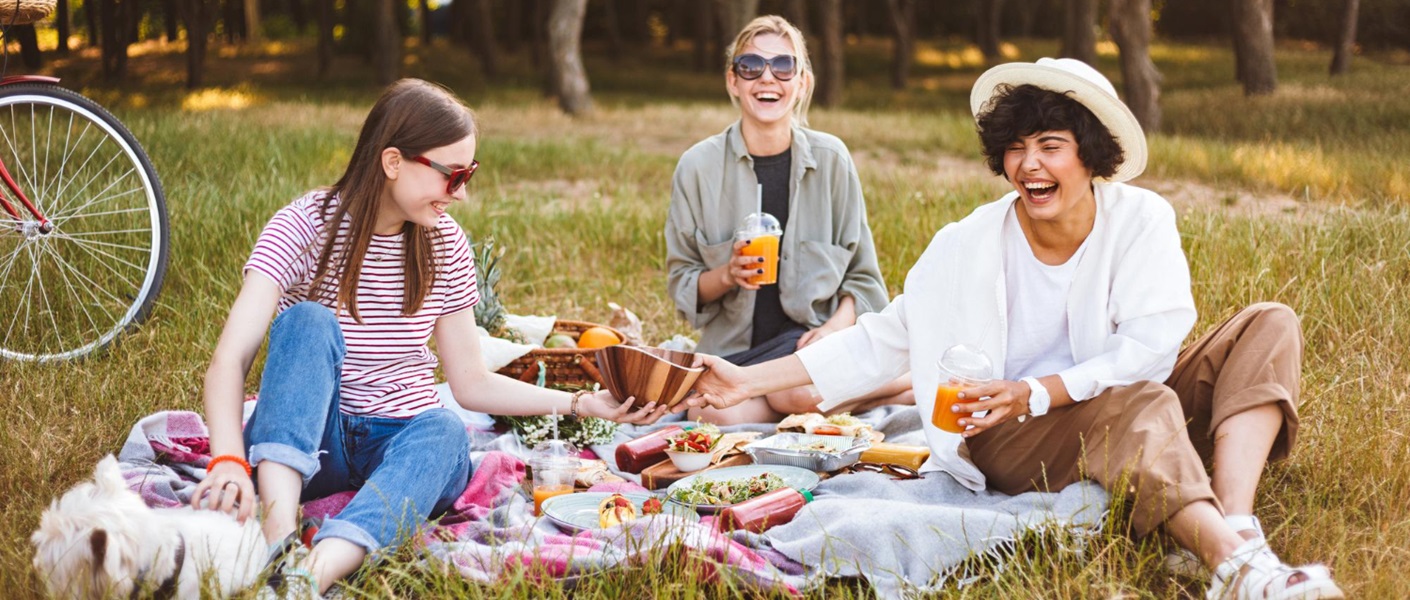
(687,462)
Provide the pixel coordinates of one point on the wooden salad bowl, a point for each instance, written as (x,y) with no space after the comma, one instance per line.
(647,374)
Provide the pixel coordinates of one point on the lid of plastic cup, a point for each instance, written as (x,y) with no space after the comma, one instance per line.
(761,223)
(554,453)
(967,361)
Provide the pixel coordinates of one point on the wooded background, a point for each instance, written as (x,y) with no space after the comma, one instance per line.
(554,32)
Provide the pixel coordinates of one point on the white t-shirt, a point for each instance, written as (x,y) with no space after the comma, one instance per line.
(1039,342)
(388,371)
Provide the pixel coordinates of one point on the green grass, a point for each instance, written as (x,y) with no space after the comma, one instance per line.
(580,204)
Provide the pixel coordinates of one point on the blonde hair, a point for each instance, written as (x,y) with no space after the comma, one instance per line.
(779,26)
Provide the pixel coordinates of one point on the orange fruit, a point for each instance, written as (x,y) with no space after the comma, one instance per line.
(598,337)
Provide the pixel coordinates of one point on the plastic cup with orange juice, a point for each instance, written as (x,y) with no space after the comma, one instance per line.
(763,233)
(961,367)
(555,465)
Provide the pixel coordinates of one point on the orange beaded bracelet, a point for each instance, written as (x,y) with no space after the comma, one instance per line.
(230,458)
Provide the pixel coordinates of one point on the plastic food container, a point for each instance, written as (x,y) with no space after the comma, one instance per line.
(788,449)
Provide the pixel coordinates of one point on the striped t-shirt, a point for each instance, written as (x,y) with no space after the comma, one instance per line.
(388,371)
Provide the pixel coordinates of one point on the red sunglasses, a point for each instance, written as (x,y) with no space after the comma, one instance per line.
(455,178)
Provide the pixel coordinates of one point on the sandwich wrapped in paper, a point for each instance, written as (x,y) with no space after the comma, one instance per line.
(843,424)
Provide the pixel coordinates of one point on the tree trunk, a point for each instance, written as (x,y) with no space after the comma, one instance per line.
(252,21)
(387,51)
(514,33)
(196,15)
(171,21)
(325,37)
(796,11)
(28,39)
(424,10)
(1131,28)
(543,57)
(903,18)
(114,50)
(705,60)
(1253,45)
(991,13)
(565,31)
(1346,45)
(614,31)
(829,87)
(90,14)
(298,13)
(1079,38)
(482,26)
(61,21)
(733,16)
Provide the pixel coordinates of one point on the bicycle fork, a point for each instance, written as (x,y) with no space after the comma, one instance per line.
(28,228)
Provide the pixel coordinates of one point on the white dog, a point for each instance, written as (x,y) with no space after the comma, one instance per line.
(101,540)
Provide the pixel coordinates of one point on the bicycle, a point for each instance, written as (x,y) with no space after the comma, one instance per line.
(83,222)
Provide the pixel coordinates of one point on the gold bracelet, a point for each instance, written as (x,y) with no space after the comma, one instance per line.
(573,408)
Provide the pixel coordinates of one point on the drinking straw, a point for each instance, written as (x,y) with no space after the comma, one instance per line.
(553,423)
(759,200)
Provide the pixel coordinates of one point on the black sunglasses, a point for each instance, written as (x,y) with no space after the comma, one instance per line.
(455,178)
(895,471)
(751,66)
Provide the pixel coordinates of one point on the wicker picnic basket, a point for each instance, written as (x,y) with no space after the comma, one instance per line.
(24,12)
(576,367)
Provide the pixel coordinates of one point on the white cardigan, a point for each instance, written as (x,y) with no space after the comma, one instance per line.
(1129,309)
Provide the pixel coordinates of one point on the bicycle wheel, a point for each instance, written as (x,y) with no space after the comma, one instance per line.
(72,290)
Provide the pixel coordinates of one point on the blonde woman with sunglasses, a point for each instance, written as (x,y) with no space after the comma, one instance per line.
(827,268)
(356,278)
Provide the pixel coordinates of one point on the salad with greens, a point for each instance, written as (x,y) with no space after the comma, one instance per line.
(704,491)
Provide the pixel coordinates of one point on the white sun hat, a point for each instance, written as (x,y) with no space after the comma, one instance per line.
(1079,81)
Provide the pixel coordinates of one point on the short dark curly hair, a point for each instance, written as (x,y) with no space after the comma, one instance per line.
(1016,112)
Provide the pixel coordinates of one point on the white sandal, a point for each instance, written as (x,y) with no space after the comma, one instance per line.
(1184,563)
(1253,572)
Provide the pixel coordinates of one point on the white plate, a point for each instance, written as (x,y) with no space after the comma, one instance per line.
(794,477)
(578,512)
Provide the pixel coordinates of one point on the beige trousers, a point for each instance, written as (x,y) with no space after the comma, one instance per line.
(1152,438)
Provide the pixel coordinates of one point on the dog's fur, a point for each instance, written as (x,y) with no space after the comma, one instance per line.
(100,540)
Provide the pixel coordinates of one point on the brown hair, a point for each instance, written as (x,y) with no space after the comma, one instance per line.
(412,116)
(779,26)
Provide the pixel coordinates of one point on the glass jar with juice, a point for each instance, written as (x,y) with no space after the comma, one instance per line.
(961,367)
(763,233)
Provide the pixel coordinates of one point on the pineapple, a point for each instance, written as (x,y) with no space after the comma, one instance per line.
(489,312)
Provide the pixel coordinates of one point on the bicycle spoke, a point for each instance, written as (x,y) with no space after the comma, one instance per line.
(64,269)
(92,285)
(95,178)
(86,126)
(105,213)
(69,149)
(14,318)
(48,140)
(44,295)
(95,252)
(96,200)
(116,232)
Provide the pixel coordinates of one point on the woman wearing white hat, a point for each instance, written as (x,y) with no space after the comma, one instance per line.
(1077,289)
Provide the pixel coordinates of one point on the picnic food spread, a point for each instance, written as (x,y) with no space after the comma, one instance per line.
(615,510)
(897,454)
(701,438)
(843,424)
(765,511)
(728,491)
(635,455)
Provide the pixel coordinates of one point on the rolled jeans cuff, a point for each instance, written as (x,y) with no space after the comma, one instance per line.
(345,530)
(305,464)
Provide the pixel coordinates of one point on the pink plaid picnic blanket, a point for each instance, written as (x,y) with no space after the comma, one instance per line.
(489,532)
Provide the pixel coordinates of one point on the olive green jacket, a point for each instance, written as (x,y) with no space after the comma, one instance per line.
(827,250)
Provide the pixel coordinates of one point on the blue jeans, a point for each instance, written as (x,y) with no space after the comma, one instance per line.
(405,470)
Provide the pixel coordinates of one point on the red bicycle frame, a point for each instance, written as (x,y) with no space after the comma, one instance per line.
(44,225)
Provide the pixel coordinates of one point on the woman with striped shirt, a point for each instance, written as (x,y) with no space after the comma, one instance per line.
(361,275)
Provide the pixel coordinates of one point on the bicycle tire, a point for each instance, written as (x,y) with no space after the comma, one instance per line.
(88,269)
